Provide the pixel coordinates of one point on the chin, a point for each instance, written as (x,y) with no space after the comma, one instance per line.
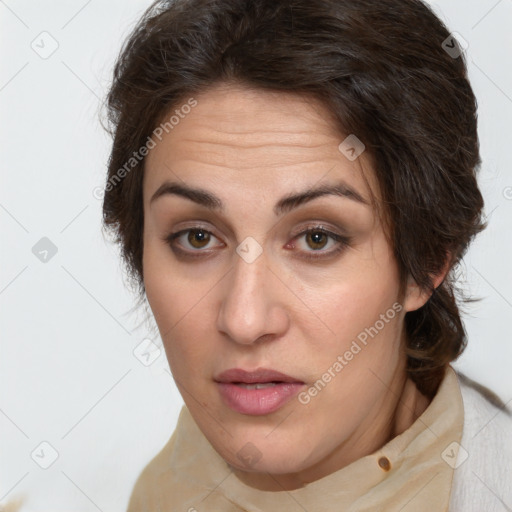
(282,456)
(270,463)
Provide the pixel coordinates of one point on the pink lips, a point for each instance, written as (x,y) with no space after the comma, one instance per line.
(237,388)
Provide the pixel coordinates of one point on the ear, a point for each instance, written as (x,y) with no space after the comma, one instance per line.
(415,297)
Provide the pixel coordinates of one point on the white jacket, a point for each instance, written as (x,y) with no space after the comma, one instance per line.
(482,479)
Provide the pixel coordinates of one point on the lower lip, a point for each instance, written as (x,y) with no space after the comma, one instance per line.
(258,402)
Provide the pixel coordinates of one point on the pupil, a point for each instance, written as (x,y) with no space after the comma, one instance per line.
(196,238)
(317,238)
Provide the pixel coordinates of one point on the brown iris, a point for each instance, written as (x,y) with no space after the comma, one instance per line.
(317,239)
(198,238)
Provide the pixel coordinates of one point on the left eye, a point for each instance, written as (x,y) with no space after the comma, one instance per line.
(320,240)
(316,238)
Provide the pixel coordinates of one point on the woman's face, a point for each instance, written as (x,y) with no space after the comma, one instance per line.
(246,269)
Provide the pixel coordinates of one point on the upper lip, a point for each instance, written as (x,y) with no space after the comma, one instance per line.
(254,376)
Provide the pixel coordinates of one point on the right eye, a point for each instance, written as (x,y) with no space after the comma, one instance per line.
(191,240)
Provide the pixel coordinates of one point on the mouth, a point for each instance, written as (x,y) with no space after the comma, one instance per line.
(257,392)
(259,385)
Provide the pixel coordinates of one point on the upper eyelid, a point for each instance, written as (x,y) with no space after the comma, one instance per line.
(318,224)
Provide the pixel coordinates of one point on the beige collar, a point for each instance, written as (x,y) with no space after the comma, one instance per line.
(412,472)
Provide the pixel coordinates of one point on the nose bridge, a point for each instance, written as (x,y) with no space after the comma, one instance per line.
(249,308)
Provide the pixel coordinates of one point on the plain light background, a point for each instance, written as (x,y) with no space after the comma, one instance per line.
(69,375)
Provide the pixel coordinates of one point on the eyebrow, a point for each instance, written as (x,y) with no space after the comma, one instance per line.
(286,204)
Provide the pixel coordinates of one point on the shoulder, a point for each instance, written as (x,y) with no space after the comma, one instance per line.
(174,477)
(144,495)
(483,470)
(487,419)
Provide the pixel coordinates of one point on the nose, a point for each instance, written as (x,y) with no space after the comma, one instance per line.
(252,306)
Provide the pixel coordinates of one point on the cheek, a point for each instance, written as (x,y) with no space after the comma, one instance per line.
(180,306)
(170,293)
(366,287)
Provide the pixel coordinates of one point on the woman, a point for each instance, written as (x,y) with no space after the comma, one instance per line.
(293,185)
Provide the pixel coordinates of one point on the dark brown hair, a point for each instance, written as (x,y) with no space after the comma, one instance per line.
(384,71)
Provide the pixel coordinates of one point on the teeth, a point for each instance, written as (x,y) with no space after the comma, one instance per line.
(256,386)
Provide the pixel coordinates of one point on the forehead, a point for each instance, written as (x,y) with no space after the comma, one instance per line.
(254,139)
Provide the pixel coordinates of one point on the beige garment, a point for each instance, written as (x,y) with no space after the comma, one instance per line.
(414,473)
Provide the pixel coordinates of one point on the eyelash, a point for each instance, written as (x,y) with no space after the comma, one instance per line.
(342,240)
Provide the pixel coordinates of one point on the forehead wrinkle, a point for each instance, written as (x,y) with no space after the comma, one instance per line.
(293,165)
(254,153)
(298,130)
(244,144)
(306,138)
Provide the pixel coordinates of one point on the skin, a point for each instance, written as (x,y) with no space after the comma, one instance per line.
(282,311)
